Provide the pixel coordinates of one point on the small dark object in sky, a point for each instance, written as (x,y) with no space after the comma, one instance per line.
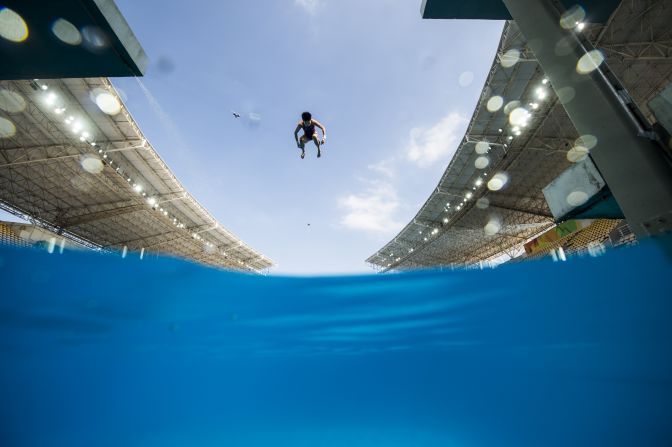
(237,115)
(308,224)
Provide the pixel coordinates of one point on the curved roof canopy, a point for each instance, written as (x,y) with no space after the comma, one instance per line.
(73,160)
(489,200)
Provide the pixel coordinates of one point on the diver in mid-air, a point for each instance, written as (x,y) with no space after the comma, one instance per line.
(308,125)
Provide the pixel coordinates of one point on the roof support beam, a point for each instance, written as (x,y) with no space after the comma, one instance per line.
(100,215)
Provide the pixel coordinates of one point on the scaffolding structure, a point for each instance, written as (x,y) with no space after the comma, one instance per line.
(74,161)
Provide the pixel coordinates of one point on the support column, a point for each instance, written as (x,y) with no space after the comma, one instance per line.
(635,168)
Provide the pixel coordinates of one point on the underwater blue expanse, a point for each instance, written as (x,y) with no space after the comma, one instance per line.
(96,350)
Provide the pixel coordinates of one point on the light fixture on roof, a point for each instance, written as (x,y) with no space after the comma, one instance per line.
(468,196)
(580,26)
(151,201)
(509,138)
(51,98)
(137,187)
(425,239)
(534,105)
(85,134)
(479,181)
(44,87)
(499,130)
(541,93)
(93,143)
(544,81)
(82,139)
(445,220)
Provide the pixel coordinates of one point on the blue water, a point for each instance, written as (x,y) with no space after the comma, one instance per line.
(102,351)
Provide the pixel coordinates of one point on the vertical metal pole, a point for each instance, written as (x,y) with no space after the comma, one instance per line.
(635,168)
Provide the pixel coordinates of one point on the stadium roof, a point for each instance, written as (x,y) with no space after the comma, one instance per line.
(463,221)
(73,160)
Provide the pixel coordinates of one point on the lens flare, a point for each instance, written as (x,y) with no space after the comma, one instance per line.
(7,128)
(572,17)
(510,106)
(466,78)
(519,116)
(492,227)
(12,26)
(589,62)
(588,141)
(11,102)
(92,164)
(66,32)
(108,103)
(94,38)
(495,103)
(482,147)
(481,162)
(566,94)
(510,58)
(577,198)
(498,181)
(482,203)
(577,154)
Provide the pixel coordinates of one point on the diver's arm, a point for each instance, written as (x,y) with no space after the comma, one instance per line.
(296,133)
(324,130)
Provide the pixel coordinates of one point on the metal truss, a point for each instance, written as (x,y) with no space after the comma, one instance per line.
(450,229)
(130,200)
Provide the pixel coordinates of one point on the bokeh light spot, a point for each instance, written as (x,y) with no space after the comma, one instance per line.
(498,181)
(92,164)
(7,128)
(566,94)
(466,78)
(589,62)
(577,198)
(495,103)
(510,106)
(94,38)
(577,154)
(519,116)
(66,32)
(481,162)
(572,17)
(108,103)
(492,227)
(588,141)
(482,147)
(11,102)
(482,203)
(12,26)
(510,58)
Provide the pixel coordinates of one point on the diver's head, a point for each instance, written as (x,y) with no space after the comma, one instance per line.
(306,117)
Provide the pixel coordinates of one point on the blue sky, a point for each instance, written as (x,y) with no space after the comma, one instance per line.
(395,93)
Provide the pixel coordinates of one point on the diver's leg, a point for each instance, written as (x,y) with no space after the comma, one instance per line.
(317,143)
(302,145)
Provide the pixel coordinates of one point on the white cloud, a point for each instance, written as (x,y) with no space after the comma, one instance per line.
(309,5)
(373,210)
(437,143)
(385,167)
